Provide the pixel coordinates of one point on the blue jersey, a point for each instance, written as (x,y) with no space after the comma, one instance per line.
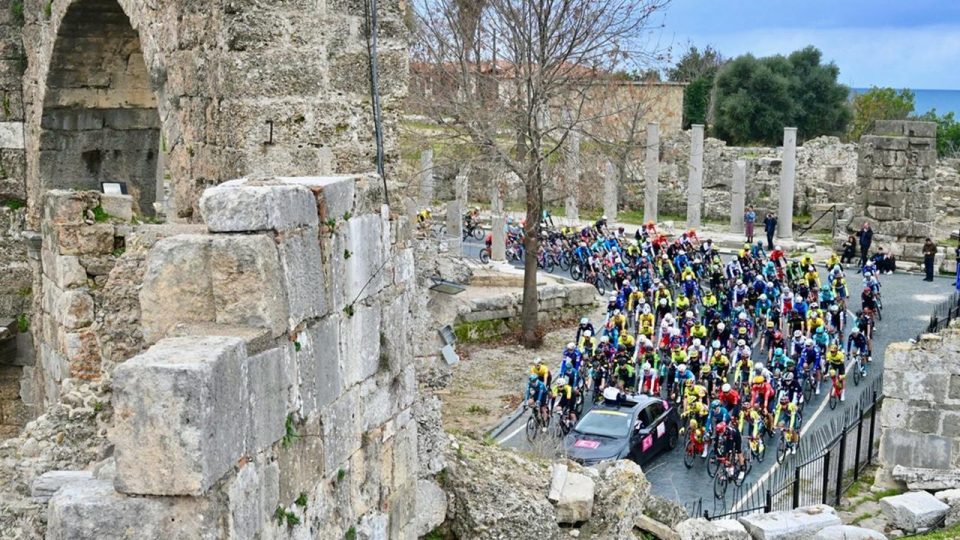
(536,390)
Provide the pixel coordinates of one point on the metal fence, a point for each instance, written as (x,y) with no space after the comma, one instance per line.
(829,461)
(943,314)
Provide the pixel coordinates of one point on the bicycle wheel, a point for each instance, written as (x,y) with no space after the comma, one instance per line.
(477,233)
(564,262)
(720,485)
(484,255)
(712,464)
(548,263)
(690,455)
(781,449)
(747,467)
(599,284)
(578,405)
(576,272)
(532,428)
(808,389)
(557,427)
(856,372)
(762,453)
(833,400)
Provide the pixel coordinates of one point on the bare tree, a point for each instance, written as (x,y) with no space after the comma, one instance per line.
(506,86)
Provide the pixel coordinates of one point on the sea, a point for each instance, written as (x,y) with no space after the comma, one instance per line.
(943,101)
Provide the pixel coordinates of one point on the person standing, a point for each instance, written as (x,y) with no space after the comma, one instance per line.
(770,227)
(929,252)
(865,235)
(749,219)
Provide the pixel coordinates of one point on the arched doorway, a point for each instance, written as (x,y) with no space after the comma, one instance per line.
(100,121)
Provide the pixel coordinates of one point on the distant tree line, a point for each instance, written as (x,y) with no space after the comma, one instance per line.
(748,100)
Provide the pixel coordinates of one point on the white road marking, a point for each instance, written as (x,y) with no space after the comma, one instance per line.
(930,298)
(807,424)
(512,433)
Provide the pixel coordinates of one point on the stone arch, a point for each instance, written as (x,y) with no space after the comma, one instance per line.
(100,121)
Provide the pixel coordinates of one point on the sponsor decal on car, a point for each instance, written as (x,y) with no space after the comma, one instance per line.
(586,443)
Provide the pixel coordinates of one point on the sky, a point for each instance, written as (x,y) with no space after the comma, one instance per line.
(897,43)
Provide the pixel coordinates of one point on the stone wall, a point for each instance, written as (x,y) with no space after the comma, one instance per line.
(12,64)
(920,418)
(222,91)
(273,369)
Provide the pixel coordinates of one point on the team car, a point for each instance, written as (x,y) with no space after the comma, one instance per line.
(624,426)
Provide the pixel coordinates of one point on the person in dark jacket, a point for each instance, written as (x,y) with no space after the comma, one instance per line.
(929,252)
(770,227)
(865,235)
(849,250)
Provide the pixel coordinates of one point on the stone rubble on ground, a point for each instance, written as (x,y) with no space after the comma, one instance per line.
(799,523)
(575,503)
(913,511)
(848,532)
(950,497)
(721,529)
(918,478)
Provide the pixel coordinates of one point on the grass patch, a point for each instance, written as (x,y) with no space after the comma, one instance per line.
(478,409)
(23,323)
(864,516)
(14,204)
(885,493)
(100,215)
(941,534)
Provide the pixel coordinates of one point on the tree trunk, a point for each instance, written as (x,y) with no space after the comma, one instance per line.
(531,245)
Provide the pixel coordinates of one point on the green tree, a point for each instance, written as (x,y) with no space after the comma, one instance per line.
(756,98)
(948,132)
(698,69)
(879,104)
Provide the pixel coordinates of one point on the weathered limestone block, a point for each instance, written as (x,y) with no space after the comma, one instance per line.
(358,260)
(300,462)
(403,267)
(176,285)
(117,206)
(181,412)
(318,361)
(302,266)
(82,351)
(74,309)
(63,206)
(342,426)
(799,523)
(379,405)
(83,239)
(246,282)
(431,506)
(702,529)
(927,479)
(913,511)
(45,485)
(334,194)
(244,207)
(848,532)
(360,351)
(576,499)
(93,510)
(268,388)
(252,498)
(64,271)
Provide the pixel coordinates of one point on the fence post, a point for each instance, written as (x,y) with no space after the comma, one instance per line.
(856,459)
(768,503)
(706,515)
(873,428)
(840,463)
(826,478)
(796,488)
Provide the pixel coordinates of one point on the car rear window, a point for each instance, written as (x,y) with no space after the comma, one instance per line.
(605,423)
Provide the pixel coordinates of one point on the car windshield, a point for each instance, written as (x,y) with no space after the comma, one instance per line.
(605,424)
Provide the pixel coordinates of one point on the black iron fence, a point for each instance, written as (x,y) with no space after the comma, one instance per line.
(943,314)
(830,460)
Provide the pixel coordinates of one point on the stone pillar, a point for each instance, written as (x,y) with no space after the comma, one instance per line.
(739,196)
(570,208)
(410,209)
(788,177)
(461,186)
(454,226)
(498,248)
(695,179)
(426,178)
(610,188)
(571,171)
(651,173)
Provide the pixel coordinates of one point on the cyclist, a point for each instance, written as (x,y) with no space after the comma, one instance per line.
(791,388)
(649,381)
(730,399)
(536,396)
(787,420)
(809,362)
(718,415)
(541,371)
(584,326)
(731,445)
(749,422)
(562,397)
(859,342)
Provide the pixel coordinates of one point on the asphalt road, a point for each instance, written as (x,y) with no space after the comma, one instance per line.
(908,303)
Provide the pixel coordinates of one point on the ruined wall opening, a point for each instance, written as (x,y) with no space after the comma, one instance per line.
(100,121)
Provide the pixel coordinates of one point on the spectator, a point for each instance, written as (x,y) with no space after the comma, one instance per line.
(929,251)
(749,218)
(886,263)
(849,250)
(770,226)
(865,235)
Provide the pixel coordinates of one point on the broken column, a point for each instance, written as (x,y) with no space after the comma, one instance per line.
(454,227)
(426,178)
(498,248)
(739,196)
(610,194)
(651,172)
(787,180)
(695,182)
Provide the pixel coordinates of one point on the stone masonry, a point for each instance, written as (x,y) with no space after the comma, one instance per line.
(920,418)
(275,390)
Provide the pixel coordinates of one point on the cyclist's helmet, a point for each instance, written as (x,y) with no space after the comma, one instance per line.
(694,424)
(747,405)
(797,334)
(784,399)
(721,326)
(715,344)
(833,373)
(833,348)
(741,343)
(721,427)
(769,324)
(695,342)
(789,376)
(571,346)
(725,388)
(855,330)
(778,351)
(809,342)
(763,296)
(715,404)
(682,368)
(584,321)
(562,381)
(587,333)
(742,316)
(758,379)
(646,366)
(705,369)
(758,367)
(533,378)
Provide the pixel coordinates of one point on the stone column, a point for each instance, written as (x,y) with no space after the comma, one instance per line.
(571,171)
(570,208)
(739,196)
(652,173)
(695,179)
(426,178)
(410,209)
(498,248)
(454,226)
(788,176)
(610,195)
(461,186)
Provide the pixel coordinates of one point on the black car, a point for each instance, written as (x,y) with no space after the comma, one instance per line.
(634,426)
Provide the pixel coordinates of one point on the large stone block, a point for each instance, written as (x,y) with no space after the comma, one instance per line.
(268,388)
(181,412)
(575,503)
(243,206)
(918,450)
(701,529)
(176,285)
(74,309)
(358,260)
(11,135)
(918,478)
(302,266)
(913,511)
(84,239)
(800,523)
(359,346)
(48,483)
(431,506)
(252,498)
(318,361)
(64,271)
(247,282)
(848,532)
(92,510)
(342,425)
(117,206)
(334,194)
